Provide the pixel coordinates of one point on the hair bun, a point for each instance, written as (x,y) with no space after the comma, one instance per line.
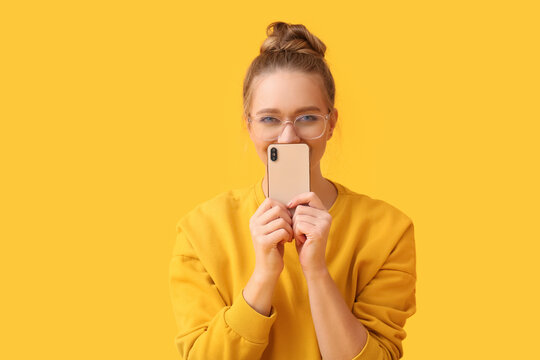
(292,37)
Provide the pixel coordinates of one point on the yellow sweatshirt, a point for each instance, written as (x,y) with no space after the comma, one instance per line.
(370,255)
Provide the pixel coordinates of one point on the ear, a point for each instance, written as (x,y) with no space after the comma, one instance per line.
(333,121)
(248,128)
(246,122)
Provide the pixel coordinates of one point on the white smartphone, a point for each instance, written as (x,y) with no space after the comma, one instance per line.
(287,171)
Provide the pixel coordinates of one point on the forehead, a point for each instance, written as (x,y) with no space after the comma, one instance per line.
(287,91)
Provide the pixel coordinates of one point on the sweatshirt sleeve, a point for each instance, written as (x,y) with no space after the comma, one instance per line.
(388,300)
(208,328)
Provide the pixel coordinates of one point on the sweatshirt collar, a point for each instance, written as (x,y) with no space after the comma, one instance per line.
(259,194)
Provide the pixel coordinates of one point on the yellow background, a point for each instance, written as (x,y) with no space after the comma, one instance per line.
(119,117)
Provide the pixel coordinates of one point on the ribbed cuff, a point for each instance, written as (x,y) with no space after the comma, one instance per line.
(247,322)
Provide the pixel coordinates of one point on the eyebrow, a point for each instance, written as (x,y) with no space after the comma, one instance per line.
(276,111)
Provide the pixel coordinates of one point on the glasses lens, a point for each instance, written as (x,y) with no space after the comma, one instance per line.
(306,127)
(309,126)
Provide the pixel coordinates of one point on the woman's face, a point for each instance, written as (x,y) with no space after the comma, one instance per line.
(287,92)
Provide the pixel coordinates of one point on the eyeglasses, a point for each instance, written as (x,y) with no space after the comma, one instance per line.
(307,126)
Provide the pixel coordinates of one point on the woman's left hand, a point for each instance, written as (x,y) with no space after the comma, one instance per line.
(311,226)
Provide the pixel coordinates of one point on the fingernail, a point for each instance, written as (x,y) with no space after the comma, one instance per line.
(289,204)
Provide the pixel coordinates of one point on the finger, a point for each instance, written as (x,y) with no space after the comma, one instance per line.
(299,231)
(300,237)
(305,218)
(309,198)
(274,213)
(280,204)
(308,210)
(274,203)
(286,213)
(298,243)
(265,205)
(276,224)
(280,235)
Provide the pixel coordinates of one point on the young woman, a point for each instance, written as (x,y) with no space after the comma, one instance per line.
(346,288)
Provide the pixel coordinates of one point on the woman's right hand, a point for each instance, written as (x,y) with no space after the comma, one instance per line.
(271,227)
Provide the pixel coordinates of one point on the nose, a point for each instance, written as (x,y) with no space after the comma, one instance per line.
(288,135)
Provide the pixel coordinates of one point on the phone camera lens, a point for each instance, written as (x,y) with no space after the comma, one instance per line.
(273,154)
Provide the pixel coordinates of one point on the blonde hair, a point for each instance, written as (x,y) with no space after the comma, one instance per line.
(289,47)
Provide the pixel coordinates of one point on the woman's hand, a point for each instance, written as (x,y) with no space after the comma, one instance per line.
(311,226)
(271,227)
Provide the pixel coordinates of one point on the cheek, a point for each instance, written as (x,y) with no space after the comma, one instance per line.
(263,156)
(317,151)
(261,150)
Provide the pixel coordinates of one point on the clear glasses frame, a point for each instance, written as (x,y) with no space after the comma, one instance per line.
(283,124)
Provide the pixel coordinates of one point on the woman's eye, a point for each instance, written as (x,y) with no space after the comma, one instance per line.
(268,119)
(307,118)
